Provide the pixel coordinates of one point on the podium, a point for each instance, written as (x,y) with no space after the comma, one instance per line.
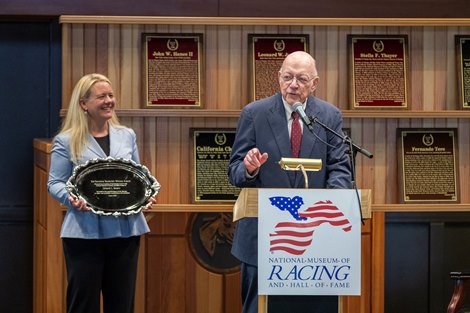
(246,206)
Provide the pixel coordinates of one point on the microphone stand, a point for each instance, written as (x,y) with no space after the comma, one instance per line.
(353,150)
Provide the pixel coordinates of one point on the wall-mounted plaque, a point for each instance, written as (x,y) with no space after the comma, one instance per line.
(211,155)
(378,67)
(428,165)
(463,69)
(113,186)
(210,239)
(266,54)
(172,67)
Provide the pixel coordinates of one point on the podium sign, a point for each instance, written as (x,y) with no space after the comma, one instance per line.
(309,242)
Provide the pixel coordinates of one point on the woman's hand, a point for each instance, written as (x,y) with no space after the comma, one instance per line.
(79,204)
(152,200)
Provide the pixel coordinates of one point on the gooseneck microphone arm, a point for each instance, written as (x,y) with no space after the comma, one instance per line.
(353,149)
(345,139)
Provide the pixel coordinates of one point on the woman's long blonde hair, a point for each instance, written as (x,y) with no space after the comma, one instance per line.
(76,122)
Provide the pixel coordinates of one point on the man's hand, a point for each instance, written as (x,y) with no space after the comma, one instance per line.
(254,159)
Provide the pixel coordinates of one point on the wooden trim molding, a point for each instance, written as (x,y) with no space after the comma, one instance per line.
(457,114)
(203,20)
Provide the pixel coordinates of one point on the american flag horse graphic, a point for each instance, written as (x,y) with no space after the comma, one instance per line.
(294,237)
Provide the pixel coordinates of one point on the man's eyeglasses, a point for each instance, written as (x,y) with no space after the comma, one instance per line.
(301,79)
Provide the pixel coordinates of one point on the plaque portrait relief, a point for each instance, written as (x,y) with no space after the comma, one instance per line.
(378,71)
(172,70)
(210,240)
(428,166)
(266,54)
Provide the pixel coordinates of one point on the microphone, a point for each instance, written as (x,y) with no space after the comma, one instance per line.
(297,107)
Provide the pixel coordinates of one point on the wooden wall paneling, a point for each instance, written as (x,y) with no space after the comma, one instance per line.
(137,68)
(245,70)
(176,169)
(89,48)
(78,62)
(427,54)
(451,101)
(208,292)
(235,78)
(211,73)
(148,146)
(186,159)
(102,37)
(391,162)
(66,63)
(356,136)
(428,69)
(368,168)
(332,65)
(163,158)
(318,50)
(380,167)
(114,57)
(343,101)
(173,272)
(426,123)
(417,123)
(441,71)
(464,163)
(222,90)
(48,256)
(129,45)
(192,278)
(232,291)
(166,263)
(416,65)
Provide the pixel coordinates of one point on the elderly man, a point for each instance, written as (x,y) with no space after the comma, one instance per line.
(269,129)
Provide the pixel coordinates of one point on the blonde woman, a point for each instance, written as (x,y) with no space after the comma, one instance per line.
(100,251)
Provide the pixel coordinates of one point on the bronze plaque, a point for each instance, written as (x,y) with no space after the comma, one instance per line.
(428,165)
(113,186)
(463,69)
(378,67)
(211,238)
(267,52)
(211,155)
(172,67)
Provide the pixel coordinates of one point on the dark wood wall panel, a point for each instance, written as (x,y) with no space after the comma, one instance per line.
(175,281)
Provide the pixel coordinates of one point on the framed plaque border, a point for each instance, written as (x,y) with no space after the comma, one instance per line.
(199,38)
(401,166)
(193,172)
(251,54)
(351,74)
(460,71)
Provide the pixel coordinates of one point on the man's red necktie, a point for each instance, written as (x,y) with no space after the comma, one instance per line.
(295,135)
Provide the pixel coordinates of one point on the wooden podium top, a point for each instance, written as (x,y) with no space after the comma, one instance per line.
(247,204)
